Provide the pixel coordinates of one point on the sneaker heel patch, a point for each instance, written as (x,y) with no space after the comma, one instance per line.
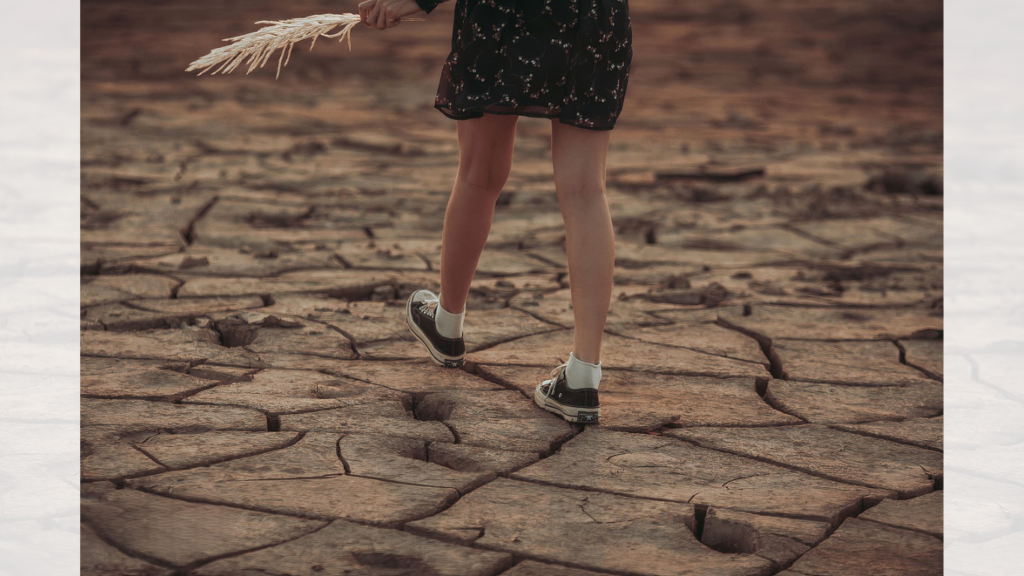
(587,416)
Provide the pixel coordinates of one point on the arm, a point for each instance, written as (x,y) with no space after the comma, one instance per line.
(382,14)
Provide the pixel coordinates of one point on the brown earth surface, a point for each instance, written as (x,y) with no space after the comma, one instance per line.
(253,402)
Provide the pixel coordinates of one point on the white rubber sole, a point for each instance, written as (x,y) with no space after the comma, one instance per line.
(569,413)
(438,358)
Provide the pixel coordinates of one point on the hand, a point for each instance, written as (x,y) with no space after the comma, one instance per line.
(381,14)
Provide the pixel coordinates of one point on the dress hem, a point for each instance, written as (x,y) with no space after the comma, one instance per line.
(479,112)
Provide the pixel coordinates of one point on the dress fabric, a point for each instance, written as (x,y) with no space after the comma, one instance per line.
(564,59)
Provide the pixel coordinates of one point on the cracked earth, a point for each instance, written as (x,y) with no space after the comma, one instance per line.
(252,402)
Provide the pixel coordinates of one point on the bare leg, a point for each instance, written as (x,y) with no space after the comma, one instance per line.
(485,159)
(579,161)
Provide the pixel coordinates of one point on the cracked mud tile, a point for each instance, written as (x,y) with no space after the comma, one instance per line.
(551,349)
(925,355)
(923,514)
(923,432)
(779,540)
(907,470)
(770,241)
(368,254)
(388,417)
(584,529)
(200,260)
(502,262)
(106,457)
(158,313)
(307,479)
(110,427)
(101,559)
(112,377)
(259,333)
(534,568)
(178,451)
(785,284)
(197,306)
(807,323)
(95,256)
(640,255)
(192,344)
(864,363)
(124,318)
(637,402)
(836,404)
(182,533)
(466,458)
(705,337)
(853,233)
(417,378)
(403,460)
(626,309)
(664,468)
(362,320)
(122,215)
(351,283)
(860,547)
(347,548)
(484,328)
(125,416)
(237,222)
(292,391)
(118,288)
(503,419)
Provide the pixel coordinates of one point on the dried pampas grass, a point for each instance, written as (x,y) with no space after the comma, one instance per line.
(258,46)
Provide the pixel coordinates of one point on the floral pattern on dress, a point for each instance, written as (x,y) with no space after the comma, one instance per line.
(564,59)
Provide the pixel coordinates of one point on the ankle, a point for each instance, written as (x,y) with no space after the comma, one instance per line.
(449,324)
(580,374)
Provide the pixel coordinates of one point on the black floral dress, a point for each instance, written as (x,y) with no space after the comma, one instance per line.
(564,59)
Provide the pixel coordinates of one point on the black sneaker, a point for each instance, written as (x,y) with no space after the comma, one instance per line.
(575,405)
(419,315)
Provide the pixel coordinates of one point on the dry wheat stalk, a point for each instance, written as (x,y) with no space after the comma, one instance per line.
(259,45)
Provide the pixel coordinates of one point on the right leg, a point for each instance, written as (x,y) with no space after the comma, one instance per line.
(485,160)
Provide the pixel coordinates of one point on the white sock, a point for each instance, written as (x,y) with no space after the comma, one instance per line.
(448,325)
(580,374)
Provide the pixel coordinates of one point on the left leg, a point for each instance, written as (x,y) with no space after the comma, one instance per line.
(579,162)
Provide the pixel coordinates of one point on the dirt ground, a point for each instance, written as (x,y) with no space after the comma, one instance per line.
(252,402)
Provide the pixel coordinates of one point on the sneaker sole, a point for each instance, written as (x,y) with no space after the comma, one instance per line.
(438,358)
(568,413)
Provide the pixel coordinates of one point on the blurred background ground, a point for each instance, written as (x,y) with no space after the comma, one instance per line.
(773,396)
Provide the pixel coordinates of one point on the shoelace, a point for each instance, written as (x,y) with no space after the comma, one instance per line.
(429,305)
(555,374)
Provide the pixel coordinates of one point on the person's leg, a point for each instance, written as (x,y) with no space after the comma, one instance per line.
(579,161)
(485,159)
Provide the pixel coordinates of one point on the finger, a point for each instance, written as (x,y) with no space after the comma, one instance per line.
(364,10)
(371,17)
(382,20)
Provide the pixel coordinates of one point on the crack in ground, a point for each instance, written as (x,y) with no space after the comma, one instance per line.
(776,367)
(904,361)
(189,233)
(238,553)
(697,350)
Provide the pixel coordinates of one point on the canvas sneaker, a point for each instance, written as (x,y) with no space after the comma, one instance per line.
(420,312)
(575,405)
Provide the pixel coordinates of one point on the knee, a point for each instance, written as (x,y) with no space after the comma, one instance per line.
(488,174)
